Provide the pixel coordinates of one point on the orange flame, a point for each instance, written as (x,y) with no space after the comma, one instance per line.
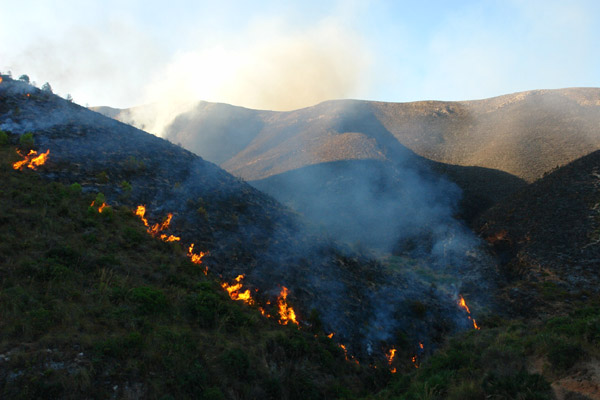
(390,357)
(462,304)
(197,258)
(0,79)
(330,335)
(286,313)
(345,351)
(351,358)
(140,212)
(158,227)
(101,208)
(32,160)
(415,361)
(235,293)
(170,238)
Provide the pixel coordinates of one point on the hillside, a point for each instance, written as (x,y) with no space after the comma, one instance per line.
(524,134)
(94,307)
(489,148)
(95,304)
(246,232)
(549,232)
(114,312)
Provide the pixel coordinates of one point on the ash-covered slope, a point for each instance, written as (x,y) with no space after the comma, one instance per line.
(549,232)
(247,232)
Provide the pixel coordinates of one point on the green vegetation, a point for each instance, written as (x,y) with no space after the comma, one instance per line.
(26,141)
(501,363)
(91,306)
(3,138)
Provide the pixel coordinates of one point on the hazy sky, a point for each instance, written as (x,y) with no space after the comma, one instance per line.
(283,55)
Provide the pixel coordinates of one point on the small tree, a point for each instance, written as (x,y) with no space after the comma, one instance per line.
(46,87)
(69,97)
(24,78)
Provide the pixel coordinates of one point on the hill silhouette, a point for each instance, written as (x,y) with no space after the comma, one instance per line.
(524,134)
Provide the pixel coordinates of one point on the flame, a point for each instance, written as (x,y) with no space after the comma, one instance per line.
(140,212)
(32,160)
(286,313)
(197,258)
(390,357)
(170,238)
(351,358)
(415,361)
(0,79)
(101,208)
(462,304)
(345,351)
(158,227)
(235,293)
(330,335)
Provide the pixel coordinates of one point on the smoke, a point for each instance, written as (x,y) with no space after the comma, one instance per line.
(81,61)
(269,69)
(245,231)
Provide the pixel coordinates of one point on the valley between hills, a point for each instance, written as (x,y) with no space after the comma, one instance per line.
(351,250)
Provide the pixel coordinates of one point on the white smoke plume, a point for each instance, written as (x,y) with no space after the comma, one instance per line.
(270,69)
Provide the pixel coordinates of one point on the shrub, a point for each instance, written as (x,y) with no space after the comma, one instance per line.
(126,186)
(466,391)
(521,385)
(26,141)
(3,138)
(75,188)
(149,300)
(203,308)
(563,354)
(236,362)
(102,177)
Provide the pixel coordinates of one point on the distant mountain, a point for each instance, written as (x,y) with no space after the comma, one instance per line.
(524,134)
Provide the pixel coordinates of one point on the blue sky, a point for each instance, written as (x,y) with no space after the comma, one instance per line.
(285,55)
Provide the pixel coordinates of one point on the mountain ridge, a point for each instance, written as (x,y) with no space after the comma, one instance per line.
(467,133)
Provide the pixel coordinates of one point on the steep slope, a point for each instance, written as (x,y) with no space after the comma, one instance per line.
(91,306)
(247,232)
(549,232)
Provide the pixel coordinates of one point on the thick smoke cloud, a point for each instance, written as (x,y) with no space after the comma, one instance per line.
(271,69)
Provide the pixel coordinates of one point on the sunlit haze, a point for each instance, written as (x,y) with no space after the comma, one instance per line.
(287,55)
